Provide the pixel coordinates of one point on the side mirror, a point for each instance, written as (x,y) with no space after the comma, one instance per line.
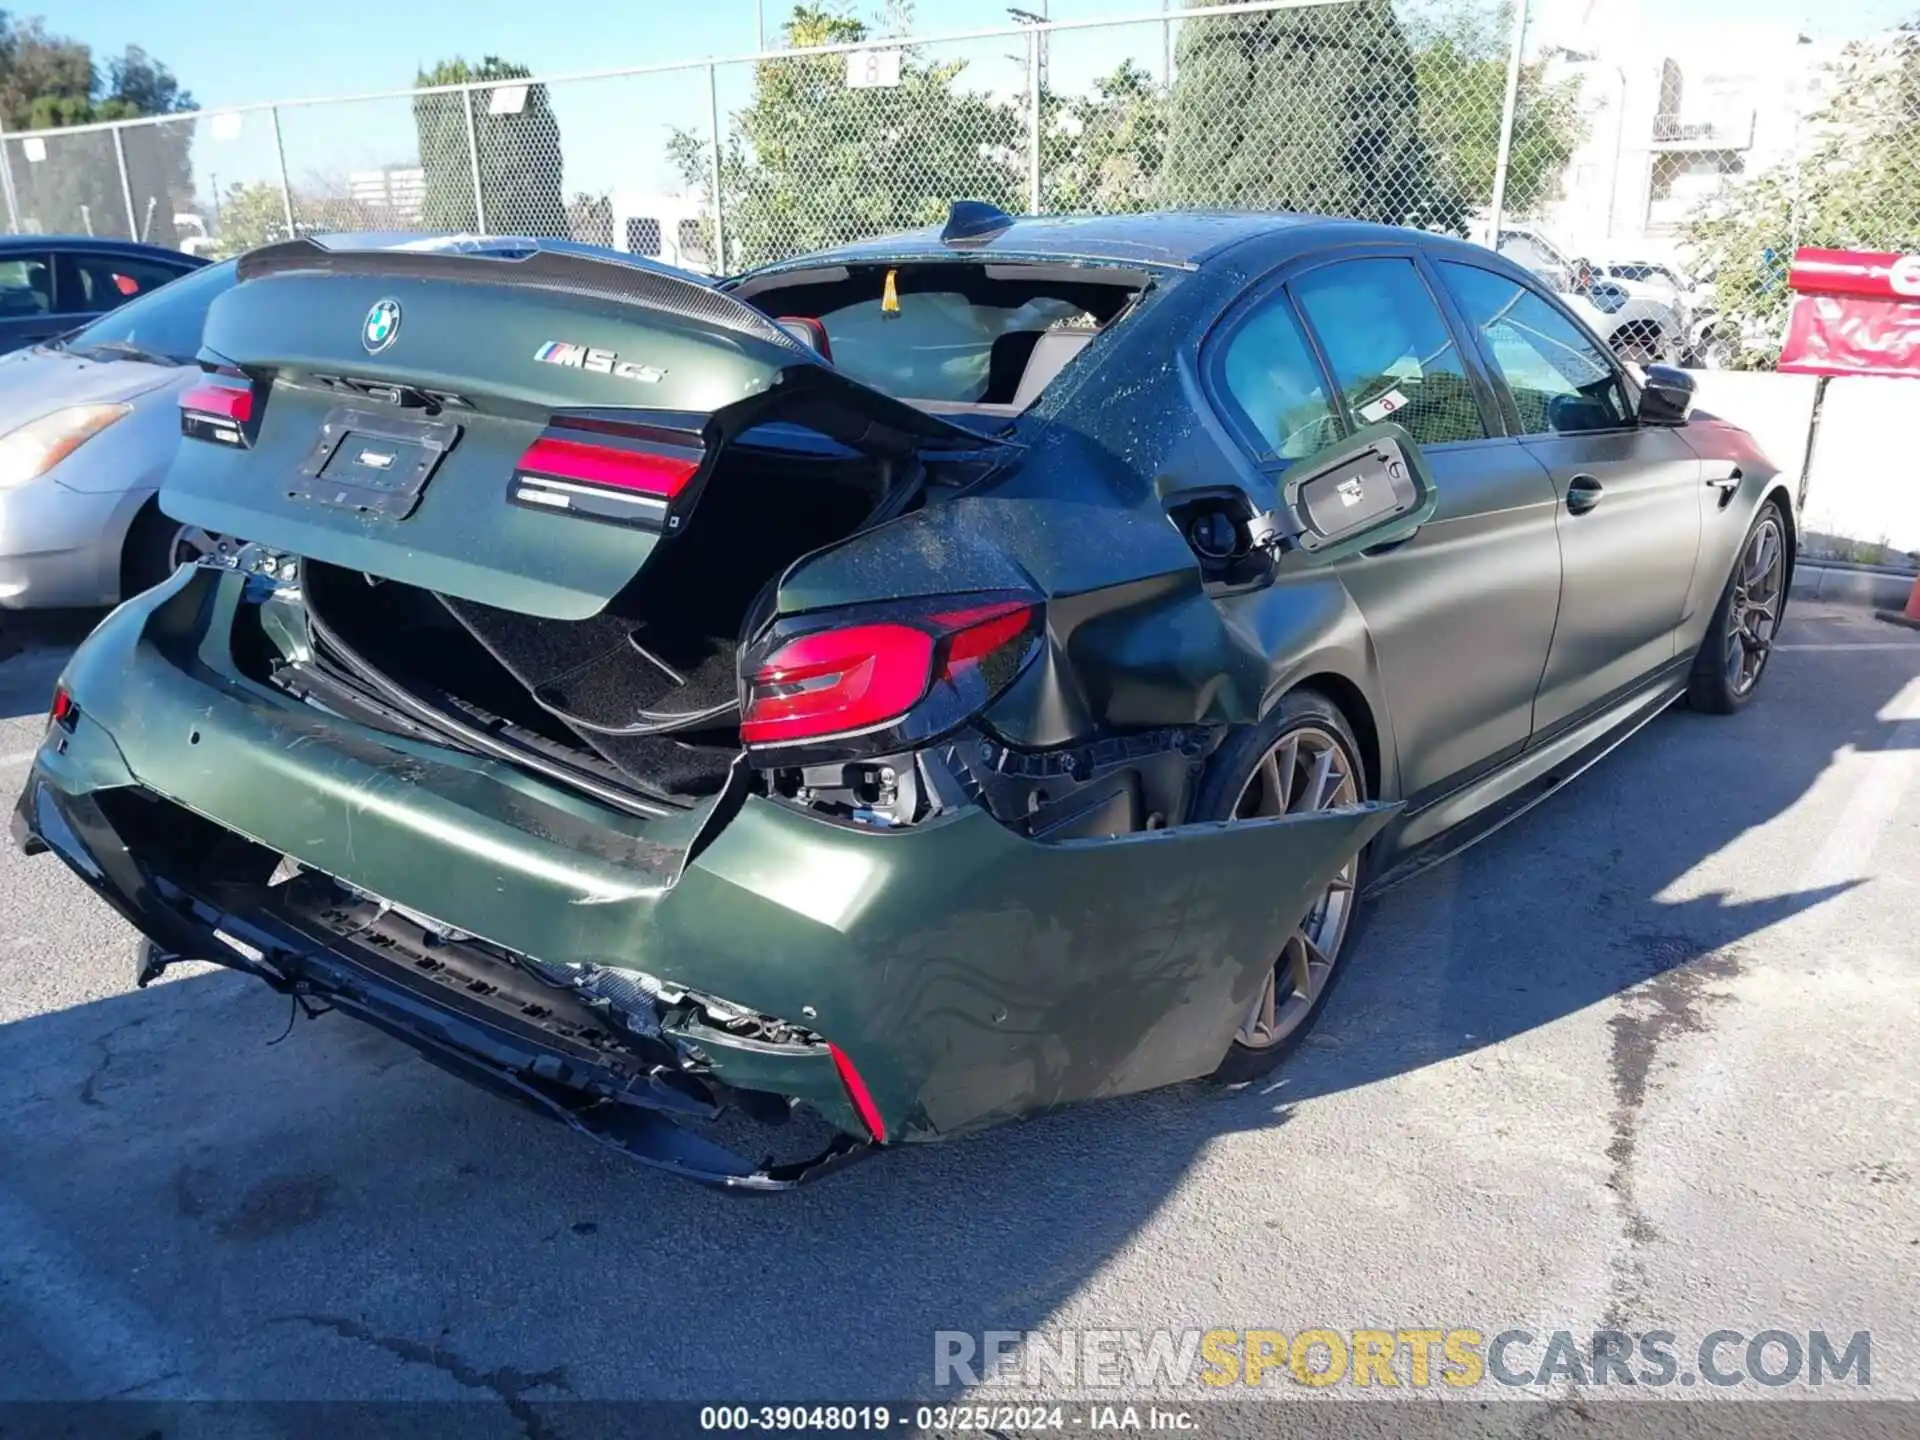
(1371,489)
(1666,397)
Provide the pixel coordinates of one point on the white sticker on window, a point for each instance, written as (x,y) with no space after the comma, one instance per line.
(1374,411)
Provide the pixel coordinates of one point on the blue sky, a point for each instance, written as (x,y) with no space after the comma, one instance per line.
(614,132)
(230,55)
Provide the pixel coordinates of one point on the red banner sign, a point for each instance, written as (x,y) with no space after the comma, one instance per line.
(1857,312)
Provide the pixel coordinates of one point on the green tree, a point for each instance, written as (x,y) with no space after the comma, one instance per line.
(1313,108)
(1102,152)
(250,216)
(48,81)
(812,162)
(518,152)
(1460,66)
(1855,187)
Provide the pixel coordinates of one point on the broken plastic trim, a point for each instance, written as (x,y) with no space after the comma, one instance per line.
(180,926)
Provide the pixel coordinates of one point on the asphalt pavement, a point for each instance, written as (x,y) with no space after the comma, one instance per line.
(1643,1060)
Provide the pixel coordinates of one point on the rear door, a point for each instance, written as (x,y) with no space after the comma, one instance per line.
(1461,614)
(511,426)
(1628,496)
(94,282)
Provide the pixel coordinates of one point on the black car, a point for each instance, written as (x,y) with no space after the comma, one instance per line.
(930,681)
(51,283)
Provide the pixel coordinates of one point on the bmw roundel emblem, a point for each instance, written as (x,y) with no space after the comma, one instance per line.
(381,327)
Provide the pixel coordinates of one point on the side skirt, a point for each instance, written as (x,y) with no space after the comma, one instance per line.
(1449,825)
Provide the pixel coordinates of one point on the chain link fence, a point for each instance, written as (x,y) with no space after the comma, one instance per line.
(1641,154)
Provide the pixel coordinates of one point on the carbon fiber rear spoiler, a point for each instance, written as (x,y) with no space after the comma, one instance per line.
(534,265)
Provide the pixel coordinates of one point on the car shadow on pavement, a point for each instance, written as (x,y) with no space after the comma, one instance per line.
(331,1216)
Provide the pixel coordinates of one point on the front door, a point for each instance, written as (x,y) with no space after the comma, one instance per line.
(1461,614)
(1627,496)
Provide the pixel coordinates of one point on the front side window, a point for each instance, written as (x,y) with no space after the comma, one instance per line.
(1391,353)
(1273,379)
(1560,380)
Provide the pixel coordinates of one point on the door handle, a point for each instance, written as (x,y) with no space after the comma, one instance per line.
(1583,493)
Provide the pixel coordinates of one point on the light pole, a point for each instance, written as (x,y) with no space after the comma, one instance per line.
(1035,17)
(1619,142)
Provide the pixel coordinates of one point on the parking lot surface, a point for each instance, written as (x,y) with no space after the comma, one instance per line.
(1644,1059)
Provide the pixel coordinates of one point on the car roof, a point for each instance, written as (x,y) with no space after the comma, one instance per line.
(1175,238)
(13,244)
(1172,239)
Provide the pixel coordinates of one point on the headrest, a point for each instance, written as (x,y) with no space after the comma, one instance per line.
(1051,352)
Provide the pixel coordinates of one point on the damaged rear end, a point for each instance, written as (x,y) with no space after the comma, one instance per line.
(514,732)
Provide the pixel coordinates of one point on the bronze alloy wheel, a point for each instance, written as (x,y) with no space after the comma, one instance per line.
(1755,610)
(1305,770)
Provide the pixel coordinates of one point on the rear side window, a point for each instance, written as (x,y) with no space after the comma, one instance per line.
(26,285)
(108,281)
(1560,381)
(1271,374)
(1391,353)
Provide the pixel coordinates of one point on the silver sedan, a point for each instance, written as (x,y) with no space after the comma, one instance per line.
(88,426)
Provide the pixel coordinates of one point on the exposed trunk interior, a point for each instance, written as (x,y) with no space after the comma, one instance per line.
(647,688)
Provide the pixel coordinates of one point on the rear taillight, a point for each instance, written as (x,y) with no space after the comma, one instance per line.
(63,712)
(629,476)
(219,408)
(873,679)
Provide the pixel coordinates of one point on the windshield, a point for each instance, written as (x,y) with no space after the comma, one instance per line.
(163,325)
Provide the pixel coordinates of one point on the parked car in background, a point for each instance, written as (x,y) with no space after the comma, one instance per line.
(929,681)
(88,426)
(1641,320)
(51,283)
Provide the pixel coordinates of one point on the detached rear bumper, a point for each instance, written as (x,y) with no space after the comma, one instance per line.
(969,974)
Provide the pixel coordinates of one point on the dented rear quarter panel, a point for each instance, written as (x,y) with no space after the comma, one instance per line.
(1134,636)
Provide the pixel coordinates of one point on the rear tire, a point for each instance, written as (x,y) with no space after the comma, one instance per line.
(1316,766)
(1739,640)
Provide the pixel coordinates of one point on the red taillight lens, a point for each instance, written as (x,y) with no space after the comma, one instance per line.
(220,401)
(858,1093)
(218,408)
(63,712)
(983,629)
(915,672)
(587,462)
(836,681)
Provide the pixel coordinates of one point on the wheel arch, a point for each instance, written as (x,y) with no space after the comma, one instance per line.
(1352,702)
(1783,501)
(133,508)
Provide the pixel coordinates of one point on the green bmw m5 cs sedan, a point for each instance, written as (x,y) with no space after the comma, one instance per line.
(924,682)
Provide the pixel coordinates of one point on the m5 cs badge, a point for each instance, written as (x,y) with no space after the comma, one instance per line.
(601,362)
